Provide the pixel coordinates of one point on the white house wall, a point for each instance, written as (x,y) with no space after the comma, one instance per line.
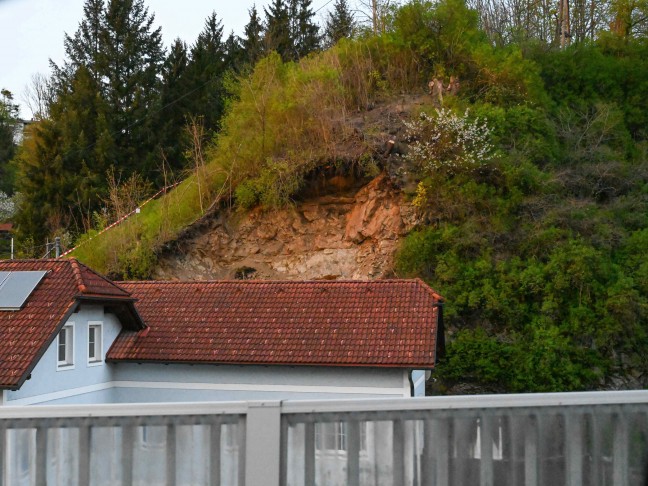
(175,382)
(47,380)
(142,383)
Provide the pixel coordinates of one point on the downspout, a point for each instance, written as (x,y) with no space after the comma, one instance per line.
(440,337)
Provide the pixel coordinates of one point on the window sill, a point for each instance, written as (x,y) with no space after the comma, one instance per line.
(95,363)
(65,367)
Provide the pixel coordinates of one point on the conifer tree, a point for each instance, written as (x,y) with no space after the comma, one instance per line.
(306,32)
(130,61)
(101,115)
(339,23)
(62,166)
(84,48)
(205,73)
(234,54)
(174,104)
(278,33)
(252,42)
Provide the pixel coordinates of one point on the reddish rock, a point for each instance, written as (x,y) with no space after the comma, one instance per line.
(328,237)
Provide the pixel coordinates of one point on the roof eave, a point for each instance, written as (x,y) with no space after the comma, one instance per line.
(412,366)
(71,309)
(131,317)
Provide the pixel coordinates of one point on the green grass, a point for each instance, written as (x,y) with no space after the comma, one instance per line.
(128,250)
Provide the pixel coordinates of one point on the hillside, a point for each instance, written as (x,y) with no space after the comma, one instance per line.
(511,174)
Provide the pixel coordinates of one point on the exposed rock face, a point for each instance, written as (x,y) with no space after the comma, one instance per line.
(336,237)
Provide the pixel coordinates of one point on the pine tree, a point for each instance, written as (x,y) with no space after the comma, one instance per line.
(278,33)
(117,45)
(130,61)
(61,168)
(306,33)
(339,23)
(100,116)
(253,41)
(205,74)
(234,53)
(84,49)
(174,104)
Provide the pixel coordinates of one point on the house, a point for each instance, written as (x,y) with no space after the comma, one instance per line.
(69,336)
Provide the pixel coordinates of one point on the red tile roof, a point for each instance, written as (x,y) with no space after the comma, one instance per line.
(390,323)
(25,334)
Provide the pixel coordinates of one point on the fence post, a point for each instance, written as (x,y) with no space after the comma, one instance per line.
(620,463)
(574,444)
(353,453)
(309,453)
(41,456)
(263,443)
(85,444)
(487,424)
(531,451)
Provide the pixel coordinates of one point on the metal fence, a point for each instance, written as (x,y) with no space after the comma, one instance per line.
(575,439)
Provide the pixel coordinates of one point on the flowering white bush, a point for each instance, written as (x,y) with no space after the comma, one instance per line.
(7,206)
(448,143)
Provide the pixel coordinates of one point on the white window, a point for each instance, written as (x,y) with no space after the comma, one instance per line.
(332,436)
(95,338)
(65,347)
(153,436)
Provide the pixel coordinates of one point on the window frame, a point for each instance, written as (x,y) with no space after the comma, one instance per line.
(68,363)
(153,436)
(332,437)
(98,344)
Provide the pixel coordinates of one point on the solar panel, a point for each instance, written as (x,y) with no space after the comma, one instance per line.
(16,287)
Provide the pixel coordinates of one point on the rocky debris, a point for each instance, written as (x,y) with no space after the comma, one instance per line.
(334,237)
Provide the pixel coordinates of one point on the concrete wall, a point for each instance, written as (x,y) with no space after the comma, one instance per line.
(48,379)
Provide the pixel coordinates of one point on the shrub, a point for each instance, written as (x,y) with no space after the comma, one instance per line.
(7,206)
(245,195)
(448,143)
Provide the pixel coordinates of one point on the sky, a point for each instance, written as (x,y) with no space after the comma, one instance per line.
(32,31)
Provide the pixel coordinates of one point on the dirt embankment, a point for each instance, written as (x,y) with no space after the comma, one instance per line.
(351,236)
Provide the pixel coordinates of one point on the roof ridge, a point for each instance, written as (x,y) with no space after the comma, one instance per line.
(105,279)
(76,270)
